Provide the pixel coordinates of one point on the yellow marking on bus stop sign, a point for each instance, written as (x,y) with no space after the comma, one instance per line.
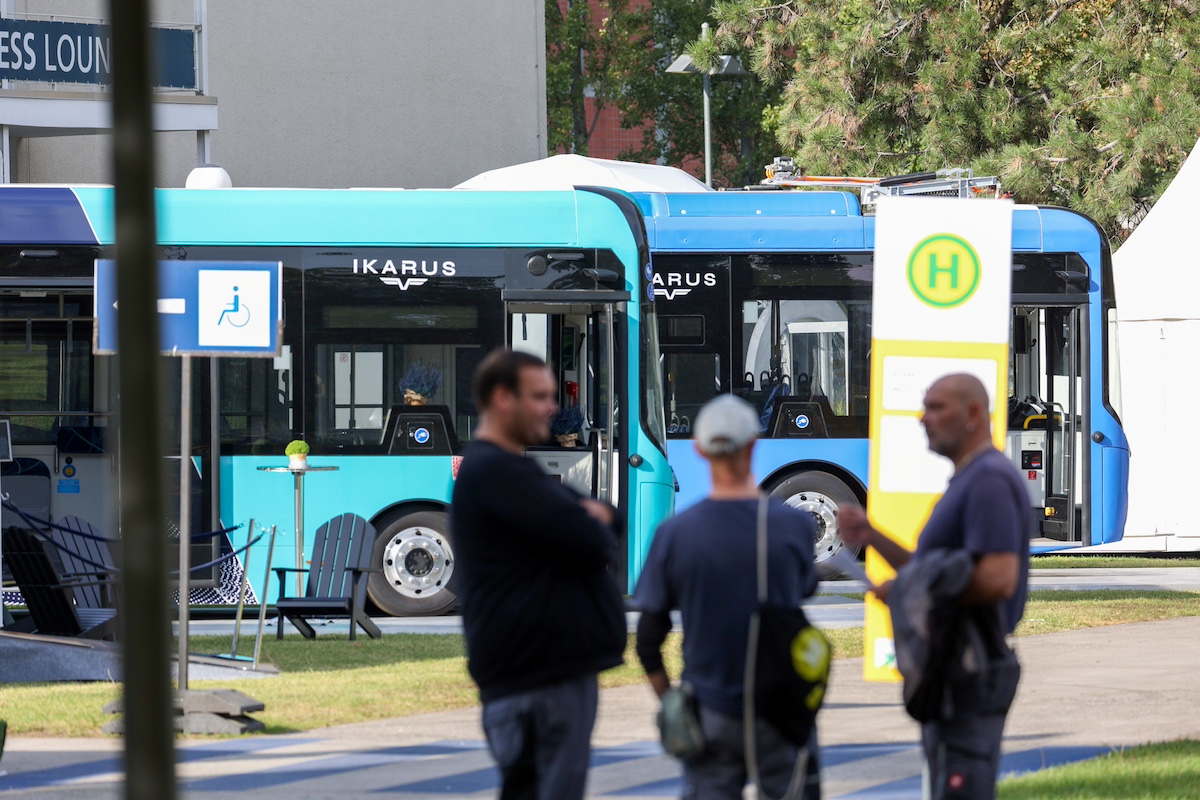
(942,290)
(943,270)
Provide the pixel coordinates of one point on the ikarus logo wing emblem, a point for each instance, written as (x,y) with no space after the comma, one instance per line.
(670,285)
(404,284)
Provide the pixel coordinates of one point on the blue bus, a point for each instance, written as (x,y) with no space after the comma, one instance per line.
(768,295)
(391,298)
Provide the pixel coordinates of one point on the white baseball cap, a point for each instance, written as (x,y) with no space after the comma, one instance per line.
(725,425)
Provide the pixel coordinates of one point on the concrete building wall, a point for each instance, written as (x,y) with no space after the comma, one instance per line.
(364,93)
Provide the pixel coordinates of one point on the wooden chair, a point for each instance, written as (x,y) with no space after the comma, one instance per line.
(96,579)
(337,585)
(50,597)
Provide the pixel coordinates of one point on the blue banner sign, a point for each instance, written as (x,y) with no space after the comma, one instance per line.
(81,52)
(210,308)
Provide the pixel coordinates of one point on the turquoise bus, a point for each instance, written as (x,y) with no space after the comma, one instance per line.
(768,295)
(391,298)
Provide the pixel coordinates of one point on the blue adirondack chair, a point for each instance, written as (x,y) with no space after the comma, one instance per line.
(337,579)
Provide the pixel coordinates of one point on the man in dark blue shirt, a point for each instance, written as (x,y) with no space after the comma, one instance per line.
(703,563)
(985,511)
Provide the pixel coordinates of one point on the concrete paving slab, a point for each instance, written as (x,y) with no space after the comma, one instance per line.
(1084,692)
(828,609)
(825,611)
(1175,579)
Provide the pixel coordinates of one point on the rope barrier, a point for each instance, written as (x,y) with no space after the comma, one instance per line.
(45,537)
(212,534)
(32,520)
(33,523)
(107,569)
(227,557)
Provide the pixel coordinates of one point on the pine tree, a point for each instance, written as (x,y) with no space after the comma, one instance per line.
(1090,104)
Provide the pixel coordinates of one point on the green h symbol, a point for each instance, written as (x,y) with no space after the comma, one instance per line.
(935,270)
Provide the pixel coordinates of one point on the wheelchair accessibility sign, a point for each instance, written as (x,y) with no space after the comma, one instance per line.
(204,307)
(228,299)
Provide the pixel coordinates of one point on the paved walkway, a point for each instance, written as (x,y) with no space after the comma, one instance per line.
(1084,693)
(827,609)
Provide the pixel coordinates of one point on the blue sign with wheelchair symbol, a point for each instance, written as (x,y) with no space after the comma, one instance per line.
(204,307)
(802,421)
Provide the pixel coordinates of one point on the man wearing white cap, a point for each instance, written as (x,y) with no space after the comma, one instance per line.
(702,562)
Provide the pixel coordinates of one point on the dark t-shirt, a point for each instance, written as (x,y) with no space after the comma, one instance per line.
(985,510)
(538,604)
(703,562)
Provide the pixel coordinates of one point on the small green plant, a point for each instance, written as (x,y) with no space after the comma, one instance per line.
(567,420)
(296,447)
(421,379)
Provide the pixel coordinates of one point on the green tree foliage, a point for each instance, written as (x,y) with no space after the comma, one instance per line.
(569,36)
(1091,104)
(620,51)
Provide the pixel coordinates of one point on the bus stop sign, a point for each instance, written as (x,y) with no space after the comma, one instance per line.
(210,308)
(941,305)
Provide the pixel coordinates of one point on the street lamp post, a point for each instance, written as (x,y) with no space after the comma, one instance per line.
(727,65)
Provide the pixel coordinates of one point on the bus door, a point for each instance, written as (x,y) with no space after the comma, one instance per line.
(1047,415)
(578,341)
(63,464)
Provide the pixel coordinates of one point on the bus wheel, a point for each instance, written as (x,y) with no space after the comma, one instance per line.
(821,495)
(416,563)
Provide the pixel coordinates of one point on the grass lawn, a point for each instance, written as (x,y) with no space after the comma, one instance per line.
(1108,562)
(400,675)
(329,681)
(1049,612)
(1160,771)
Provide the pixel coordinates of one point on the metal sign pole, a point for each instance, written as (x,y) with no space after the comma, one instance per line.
(149,711)
(299,481)
(262,601)
(237,621)
(185,512)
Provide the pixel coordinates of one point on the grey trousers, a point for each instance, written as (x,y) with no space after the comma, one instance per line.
(541,740)
(963,756)
(720,774)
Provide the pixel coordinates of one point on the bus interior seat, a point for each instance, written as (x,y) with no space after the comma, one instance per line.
(744,388)
(775,392)
(26,481)
(804,386)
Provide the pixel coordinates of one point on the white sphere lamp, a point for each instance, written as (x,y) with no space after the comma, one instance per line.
(210,176)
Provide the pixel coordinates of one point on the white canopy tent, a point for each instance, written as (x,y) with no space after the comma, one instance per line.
(567,171)
(1157,277)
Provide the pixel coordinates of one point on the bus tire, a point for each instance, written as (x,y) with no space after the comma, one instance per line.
(821,495)
(415,559)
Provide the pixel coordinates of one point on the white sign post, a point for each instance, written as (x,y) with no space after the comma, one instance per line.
(942,305)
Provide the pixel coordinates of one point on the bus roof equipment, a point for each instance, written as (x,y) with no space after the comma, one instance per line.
(782,173)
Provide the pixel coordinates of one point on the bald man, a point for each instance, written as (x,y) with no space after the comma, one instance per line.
(985,511)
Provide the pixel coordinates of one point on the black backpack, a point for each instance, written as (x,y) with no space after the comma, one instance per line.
(787,660)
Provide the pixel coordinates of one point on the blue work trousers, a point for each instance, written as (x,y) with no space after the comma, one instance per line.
(541,739)
(962,755)
(721,774)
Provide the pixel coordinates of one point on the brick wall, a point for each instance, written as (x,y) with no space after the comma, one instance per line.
(608,138)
